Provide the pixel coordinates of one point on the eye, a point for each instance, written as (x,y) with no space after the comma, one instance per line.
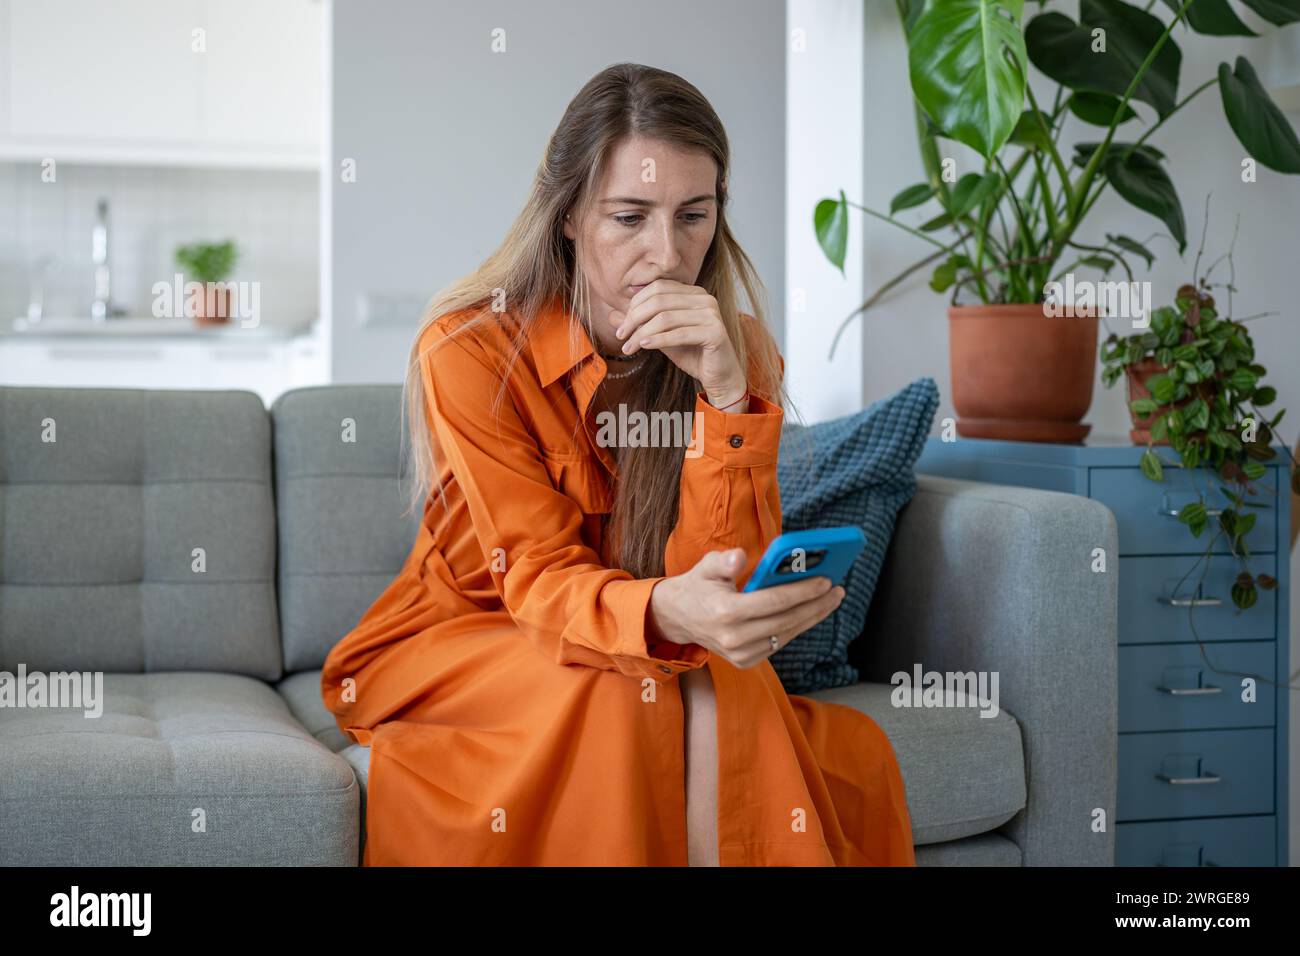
(633,219)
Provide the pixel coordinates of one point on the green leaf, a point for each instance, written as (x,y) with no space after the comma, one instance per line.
(1160,428)
(1143,182)
(1030,132)
(1063,50)
(1150,466)
(831,222)
(1243,380)
(1098,262)
(1192,515)
(911,11)
(1253,469)
(1143,407)
(1260,126)
(971,190)
(1129,245)
(1197,414)
(1277,12)
(911,196)
(1098,109)
(938,222)
(1265,395)
(945,274)
(1213,18)
(1161,388)
(1083,152)
(1244,595)
(967,63)
(1245,523)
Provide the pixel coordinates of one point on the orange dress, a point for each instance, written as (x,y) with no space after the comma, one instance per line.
(519,705)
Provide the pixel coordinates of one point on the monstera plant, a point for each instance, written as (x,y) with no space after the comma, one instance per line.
(1007,233)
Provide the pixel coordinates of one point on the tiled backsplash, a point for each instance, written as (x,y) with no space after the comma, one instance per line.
(272,215)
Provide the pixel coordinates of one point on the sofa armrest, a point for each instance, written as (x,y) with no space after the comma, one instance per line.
(999,578)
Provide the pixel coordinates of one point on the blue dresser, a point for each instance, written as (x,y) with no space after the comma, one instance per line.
(1202,772)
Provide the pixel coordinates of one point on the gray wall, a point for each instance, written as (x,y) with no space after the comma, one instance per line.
(446,135)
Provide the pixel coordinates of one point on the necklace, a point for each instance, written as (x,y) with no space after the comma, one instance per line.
(609,374)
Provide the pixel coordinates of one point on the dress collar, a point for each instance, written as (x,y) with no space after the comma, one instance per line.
(558,340)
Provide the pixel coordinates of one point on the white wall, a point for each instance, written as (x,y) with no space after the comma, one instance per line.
(446,136)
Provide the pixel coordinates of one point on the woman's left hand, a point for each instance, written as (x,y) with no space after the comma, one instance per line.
(685,323)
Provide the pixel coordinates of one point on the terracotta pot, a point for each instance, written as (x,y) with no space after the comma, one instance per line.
(1137,374)
(1020,375)
(219,299)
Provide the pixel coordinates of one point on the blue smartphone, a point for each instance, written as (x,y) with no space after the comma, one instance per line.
(816,552)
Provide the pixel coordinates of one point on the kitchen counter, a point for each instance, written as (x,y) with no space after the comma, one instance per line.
(133,328)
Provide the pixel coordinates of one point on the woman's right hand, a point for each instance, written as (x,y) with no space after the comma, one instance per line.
(703,607)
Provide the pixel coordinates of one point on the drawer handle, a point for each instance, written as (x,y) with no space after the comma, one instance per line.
(1190,602)
(1209,512)
(1190,691)
(1212,778)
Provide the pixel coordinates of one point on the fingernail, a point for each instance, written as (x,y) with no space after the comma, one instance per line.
(627,347)
(619,333)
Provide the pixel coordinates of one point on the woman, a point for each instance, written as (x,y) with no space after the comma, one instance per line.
(563,672)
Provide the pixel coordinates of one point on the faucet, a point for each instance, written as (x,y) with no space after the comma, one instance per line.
(36,288)
(102,307)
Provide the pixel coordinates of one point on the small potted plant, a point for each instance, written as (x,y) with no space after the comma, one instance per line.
(206,264)
(1194,386)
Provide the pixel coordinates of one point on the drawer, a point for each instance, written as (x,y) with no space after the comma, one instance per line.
(1210,773)
(1238,841)
(1142,509)
(1172,687)
(1147,585)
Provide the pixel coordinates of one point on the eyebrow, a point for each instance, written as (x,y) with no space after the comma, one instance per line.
(633,201)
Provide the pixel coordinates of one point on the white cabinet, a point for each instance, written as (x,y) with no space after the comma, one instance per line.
(170,82)
(110,72)
(268,368)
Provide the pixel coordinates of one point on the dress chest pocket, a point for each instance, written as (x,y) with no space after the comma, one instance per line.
(581,478)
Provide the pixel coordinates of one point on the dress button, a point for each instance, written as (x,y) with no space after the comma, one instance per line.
(665,668)
(736,441)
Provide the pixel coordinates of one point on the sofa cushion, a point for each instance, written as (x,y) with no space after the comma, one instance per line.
(301,691)
(854,470)
(139,531)
(179,769)
(964,774)
(344,532)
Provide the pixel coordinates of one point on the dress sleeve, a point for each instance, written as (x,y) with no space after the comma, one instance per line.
(572,607)
(729,492)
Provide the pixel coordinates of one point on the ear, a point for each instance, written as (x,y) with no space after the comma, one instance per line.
(568,229)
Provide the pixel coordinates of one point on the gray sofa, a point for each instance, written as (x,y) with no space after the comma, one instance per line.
(204,554)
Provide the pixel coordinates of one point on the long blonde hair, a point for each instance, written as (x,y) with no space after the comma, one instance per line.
(537,262)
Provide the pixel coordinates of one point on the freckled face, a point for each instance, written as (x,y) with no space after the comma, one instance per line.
(639,231)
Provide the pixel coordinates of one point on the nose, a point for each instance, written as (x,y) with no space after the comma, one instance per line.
(664,249)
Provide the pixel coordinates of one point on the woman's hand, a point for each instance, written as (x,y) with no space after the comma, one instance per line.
(685,323)
(703,607)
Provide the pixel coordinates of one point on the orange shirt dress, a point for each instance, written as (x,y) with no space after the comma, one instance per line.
(519,705)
